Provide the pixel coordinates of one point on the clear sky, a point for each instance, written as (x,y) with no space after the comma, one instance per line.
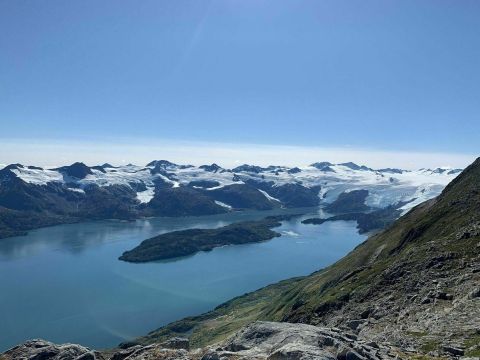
(398,76)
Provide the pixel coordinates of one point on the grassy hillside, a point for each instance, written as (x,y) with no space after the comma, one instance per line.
(416,279)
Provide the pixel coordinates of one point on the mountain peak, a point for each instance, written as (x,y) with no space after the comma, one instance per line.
(6,174)
(391,170)
(161,163)
(323,166)
(77,170)
(13,166)
(249,168)
(353,166)
(211,168)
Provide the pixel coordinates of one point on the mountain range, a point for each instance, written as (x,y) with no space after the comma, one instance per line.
(32,197)
(409,292)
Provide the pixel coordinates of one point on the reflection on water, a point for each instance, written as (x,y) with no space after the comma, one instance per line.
(75,238)
(65,284)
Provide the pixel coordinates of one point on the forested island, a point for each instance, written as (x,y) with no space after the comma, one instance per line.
(187,242)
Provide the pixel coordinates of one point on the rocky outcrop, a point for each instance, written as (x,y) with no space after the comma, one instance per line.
(351,201)
(173,349)
(152,352)
(284,341)
(44,350)
(260,340)
(77,170)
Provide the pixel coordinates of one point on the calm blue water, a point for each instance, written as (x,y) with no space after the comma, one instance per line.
(65,284)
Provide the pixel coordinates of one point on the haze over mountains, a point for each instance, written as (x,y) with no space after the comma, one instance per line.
(32,197)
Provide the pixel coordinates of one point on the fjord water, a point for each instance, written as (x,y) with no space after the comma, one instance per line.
(66,284)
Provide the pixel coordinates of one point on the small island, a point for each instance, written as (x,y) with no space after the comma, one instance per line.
(187,242)
(366,222)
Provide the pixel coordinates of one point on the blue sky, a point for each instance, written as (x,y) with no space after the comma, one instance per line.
(388,75)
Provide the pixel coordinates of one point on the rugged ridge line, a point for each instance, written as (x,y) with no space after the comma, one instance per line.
(33,197)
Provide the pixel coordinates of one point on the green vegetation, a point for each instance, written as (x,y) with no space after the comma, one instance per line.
(430,345)
(410,245)
(473,346)
(187,242)
(15,223)
(473,353)
(418,334)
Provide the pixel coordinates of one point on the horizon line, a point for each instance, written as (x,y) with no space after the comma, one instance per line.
(54,153)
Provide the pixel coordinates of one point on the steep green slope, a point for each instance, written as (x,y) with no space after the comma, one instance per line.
(414,284)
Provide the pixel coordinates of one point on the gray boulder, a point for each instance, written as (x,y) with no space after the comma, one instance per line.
(44,350)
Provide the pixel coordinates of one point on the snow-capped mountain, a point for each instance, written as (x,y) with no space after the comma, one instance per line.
(162,188)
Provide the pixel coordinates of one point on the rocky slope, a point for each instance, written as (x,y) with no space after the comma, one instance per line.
(260,340)
(32,197)
(415,285)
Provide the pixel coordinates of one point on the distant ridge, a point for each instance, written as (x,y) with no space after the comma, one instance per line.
(32,197)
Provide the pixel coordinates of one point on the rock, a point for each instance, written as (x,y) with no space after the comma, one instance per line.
(287,341)
(327,341)
(426,300)
(300,352)
(43,350)
(372,344)
(475,293)
(467,232)
(453,350)
(366,313)
(352,355)
(354,324)
(211,355)
(346,354)
(176,343)
(122,354)
(151,352)
(444,296)
(351,336)
(87,356)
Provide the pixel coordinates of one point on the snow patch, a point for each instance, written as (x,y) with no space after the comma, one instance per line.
(76,190)
(268,196)
(290,233)
(384,189)
(215,187)
(145,196)
(38,177)
(222,204)
(422,194)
